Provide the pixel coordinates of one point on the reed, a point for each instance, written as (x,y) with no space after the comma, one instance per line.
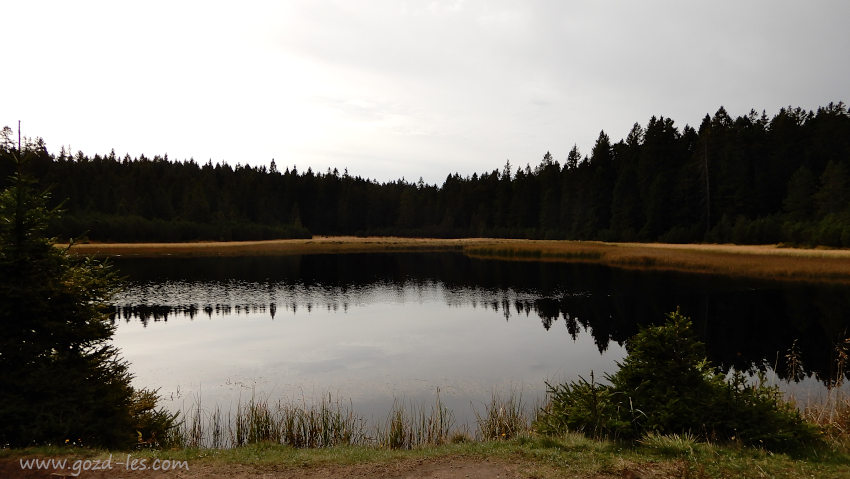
(195,433)
(504,417)
(830,412)
(414,426)
(329,423)
(325,423)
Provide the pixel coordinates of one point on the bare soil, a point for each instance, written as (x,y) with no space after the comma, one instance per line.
(443,468)
(436,468)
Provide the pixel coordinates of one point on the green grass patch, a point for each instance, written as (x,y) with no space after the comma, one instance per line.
(568,455)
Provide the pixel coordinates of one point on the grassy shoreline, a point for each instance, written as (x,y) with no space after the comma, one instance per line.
(760,261)
(572,455)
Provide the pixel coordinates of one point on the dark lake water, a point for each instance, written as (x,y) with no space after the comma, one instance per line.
(375,328)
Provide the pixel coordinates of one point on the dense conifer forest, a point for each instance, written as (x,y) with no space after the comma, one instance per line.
(750,179)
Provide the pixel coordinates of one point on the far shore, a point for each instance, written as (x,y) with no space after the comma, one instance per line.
(752,261)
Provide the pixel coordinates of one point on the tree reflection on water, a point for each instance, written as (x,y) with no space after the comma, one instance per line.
(746,324)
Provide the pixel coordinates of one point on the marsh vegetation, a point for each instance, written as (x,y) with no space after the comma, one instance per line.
(761,262)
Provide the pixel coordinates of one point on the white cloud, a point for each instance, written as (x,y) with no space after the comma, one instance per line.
(402,88)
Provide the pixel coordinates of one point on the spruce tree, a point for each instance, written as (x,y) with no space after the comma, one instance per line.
(61,381)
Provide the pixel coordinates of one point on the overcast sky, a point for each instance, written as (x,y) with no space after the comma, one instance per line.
(397,88)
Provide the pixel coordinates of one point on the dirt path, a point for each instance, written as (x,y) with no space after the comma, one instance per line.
(445,468)
(437,468)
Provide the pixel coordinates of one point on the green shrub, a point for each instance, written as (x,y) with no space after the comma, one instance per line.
(154,426)
(581,406)
(665,386)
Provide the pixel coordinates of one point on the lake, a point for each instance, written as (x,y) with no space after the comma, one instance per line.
(379,328)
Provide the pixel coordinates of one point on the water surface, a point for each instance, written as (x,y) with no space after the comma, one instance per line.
(375,328)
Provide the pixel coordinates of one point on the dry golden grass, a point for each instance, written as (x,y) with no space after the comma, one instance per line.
(316,245)
(762,261)
(832,414)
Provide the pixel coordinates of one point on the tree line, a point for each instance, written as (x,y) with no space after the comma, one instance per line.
(749,179)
